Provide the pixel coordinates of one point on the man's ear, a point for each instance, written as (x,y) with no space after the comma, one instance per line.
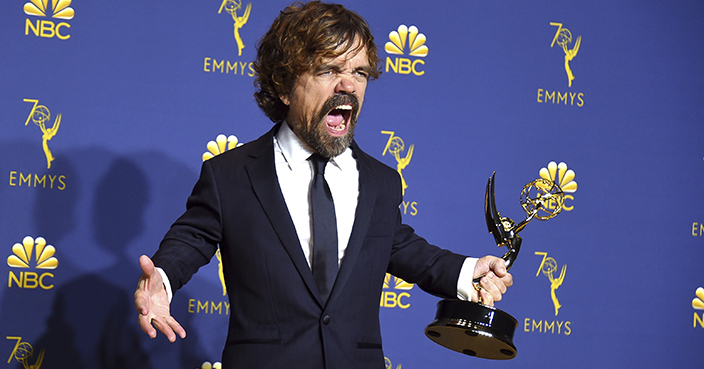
(284,99)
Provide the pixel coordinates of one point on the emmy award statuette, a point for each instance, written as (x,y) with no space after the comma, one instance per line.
(474,328)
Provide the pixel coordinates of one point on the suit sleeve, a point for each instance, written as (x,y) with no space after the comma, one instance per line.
(413,259)
(193,239)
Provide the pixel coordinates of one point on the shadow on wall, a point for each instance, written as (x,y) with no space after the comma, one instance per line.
(92,322)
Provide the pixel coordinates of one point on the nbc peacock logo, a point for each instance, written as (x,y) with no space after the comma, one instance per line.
(563,177)
(396,283)
(395,292)
(220,145)
(402,39)
(698,305)
(209,365)
(32,253)
(59,9)
(43,254)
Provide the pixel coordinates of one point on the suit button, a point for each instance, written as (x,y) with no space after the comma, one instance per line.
(326,319)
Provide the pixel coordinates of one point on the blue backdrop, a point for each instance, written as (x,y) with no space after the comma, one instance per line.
(106,109)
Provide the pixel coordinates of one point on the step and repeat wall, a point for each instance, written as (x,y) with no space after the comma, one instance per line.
(108,108)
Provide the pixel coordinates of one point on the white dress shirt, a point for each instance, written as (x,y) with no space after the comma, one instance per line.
(295,174)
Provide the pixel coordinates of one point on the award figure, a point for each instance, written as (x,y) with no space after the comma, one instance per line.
(474,328)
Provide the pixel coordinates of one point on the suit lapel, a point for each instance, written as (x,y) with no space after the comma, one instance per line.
(262,174)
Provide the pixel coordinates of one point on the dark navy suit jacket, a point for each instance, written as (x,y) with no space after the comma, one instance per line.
(276,317)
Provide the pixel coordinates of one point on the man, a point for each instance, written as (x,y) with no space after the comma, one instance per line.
(259,204)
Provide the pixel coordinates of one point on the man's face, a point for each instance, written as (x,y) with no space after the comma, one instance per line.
(325,102)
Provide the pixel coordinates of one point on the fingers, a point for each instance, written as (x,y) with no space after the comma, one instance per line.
(498,266)
(169,327)
(150,323)
(145,323)
(495,280)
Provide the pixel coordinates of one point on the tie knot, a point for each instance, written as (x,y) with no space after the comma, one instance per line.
(319,163)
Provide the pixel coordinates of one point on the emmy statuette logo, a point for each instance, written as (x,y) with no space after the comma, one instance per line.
(23,352)
(563,38)
(223,65)
(232,7)
(565,41)
(389,365)
(548,266)
(59,9)
(396,147)
(406,38)
(40,115)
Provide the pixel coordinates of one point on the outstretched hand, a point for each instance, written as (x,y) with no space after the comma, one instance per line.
(495,279)
(152,303)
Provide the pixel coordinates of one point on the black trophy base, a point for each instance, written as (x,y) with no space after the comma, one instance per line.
(473,329)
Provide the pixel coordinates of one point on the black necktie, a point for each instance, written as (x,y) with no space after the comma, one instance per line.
(324,229)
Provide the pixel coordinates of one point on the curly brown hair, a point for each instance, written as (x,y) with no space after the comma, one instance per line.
(297,41)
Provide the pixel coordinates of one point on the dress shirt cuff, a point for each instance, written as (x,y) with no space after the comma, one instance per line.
(167,284)
(464,282)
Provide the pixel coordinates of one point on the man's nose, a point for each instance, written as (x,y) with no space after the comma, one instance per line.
(346,84)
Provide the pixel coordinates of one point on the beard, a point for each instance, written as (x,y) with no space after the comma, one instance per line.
(315,134)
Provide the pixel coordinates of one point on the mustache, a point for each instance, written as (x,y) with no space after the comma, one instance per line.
(340,99)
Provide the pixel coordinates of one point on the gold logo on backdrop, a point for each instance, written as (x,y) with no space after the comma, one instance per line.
(558,173)
(59,8)
(396,147)
(406,38)
(236,67)
(43,254)
(698,304)
(208,365)
(563,38)
(32,253)
(220,145)
(40,115)
(23,352)
(395,298)
(570,46)
(398,283)
(389,365)
(232,7)
(416,42)
(221,274)
(548,267)
(556,276)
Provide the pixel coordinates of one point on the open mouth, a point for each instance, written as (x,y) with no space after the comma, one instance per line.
(338,119)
